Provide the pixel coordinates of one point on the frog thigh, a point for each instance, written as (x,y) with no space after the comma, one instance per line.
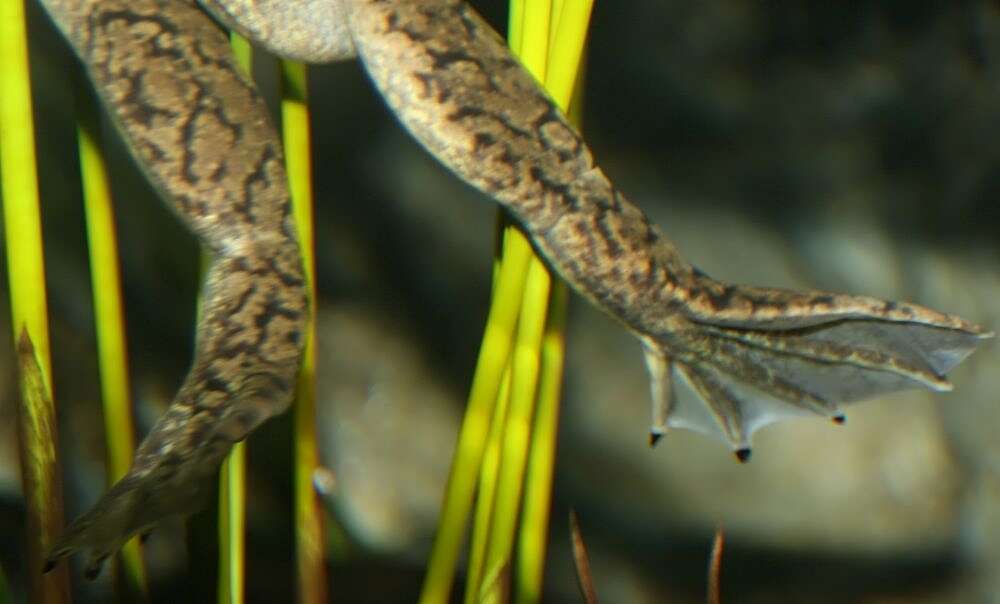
(312,31)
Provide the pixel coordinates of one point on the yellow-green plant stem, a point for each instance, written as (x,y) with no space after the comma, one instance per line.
(539,356)
(517,430)
(109,319)
(529,37)
(19,184)
(501,325)
(530,29)
(534,530)
(232,526)
(489,469)
(529,26)
(310,532)
(570,19)
(37,434)
(493,354)
(566,50)
(232,476)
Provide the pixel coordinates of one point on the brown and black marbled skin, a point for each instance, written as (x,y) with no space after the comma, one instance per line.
(454,85)
(200,131)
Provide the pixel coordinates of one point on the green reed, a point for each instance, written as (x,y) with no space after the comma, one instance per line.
(506,444)
(37,434)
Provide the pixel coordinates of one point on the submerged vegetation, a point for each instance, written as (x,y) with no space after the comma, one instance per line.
(492,542)
(520,363)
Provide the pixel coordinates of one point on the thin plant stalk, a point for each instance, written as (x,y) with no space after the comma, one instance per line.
(497,342)
(533,35)
(566,51)
(489,470)
(310,532)
(490,366)
(232,475)
(715,567)
(517,431)
(584,577)
(541,324)
(19,184)
(37,435)
(109,318)
(489,568)
(565,59)
(533,533)
(232,526)
(532,30)
(515,25)
(529,30)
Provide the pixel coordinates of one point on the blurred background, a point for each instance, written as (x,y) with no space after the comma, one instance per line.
(842,146)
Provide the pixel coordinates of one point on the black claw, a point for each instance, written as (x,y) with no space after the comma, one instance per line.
(839,419)
(91,572)
(654,437)
(743,454)
(49,565)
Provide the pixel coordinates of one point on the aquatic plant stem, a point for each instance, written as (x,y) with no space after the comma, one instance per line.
(109,317)
(37,435)
(232,475)
(310,525)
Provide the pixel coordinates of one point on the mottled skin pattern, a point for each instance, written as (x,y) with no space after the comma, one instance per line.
(200,132)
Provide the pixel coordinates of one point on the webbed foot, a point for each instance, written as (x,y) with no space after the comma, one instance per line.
(730,374)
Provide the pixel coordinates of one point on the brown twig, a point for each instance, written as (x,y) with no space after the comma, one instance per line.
(583,576)
(39,474)
(715,567)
